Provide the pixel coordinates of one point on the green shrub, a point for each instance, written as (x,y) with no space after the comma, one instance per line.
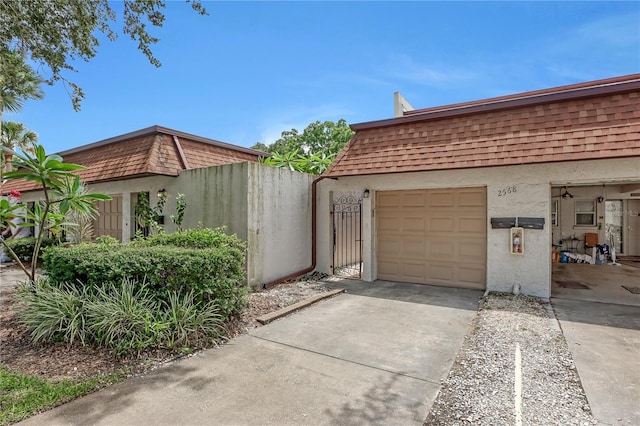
(23,247)
(107,240)
(125,318)
(211,274)
(193,238)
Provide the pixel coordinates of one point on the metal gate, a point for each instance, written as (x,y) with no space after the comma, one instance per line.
(347,236)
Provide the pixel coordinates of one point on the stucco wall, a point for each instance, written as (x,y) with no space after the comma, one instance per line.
(268,207)
(125,188)
(279,223)
(215,196)
(530,196)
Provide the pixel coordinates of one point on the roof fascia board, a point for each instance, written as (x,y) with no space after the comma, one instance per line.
(159,129)
(489,105)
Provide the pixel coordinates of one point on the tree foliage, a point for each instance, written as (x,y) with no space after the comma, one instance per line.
(54,33)
(14,136)
(62,191)
(311,151)
(18,81)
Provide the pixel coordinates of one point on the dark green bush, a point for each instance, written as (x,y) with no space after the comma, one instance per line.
(211,274)
(23,247)
(192,238)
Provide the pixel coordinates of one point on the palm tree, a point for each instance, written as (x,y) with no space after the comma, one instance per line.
(18,81)
(15,135)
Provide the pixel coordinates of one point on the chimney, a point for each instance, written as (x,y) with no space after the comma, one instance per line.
(400,105)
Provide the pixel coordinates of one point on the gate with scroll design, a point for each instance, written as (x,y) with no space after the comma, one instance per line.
(347,236)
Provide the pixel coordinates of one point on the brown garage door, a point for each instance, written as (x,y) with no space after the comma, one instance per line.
(435,236)
(109,222)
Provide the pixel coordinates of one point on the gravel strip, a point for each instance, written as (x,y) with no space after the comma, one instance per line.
(479,389)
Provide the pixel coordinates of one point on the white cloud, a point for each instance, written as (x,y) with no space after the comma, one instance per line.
(403,67)
(616,37)
(614,31)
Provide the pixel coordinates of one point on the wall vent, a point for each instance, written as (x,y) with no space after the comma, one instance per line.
(635,194)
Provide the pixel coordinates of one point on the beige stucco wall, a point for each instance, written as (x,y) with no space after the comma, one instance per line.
(125,188)
(279,223)
(531,198)
(268,207)
(215,196)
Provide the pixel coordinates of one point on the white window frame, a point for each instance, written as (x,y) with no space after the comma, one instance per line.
(555,205)
(591,212)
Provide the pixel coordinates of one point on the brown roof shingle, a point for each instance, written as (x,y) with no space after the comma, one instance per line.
(604,125)
(151,151)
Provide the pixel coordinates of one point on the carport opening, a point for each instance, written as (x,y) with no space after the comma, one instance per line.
(596,242)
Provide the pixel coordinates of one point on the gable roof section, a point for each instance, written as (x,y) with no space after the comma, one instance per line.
(599,119)
(154,150)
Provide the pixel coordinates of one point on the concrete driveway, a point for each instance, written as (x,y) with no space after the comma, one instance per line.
(375,355)
(604,339)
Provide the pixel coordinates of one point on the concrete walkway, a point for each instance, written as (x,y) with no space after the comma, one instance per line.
(10,275)
(375,355)
(605,342)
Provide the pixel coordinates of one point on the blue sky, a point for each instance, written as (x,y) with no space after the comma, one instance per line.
(251,70)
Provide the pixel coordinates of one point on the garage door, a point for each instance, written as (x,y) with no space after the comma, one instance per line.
(432,236)
(109,221)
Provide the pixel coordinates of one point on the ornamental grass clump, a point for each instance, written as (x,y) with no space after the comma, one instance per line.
(55,313)
(125,318)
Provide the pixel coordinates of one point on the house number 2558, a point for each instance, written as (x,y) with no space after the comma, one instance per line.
(506,191)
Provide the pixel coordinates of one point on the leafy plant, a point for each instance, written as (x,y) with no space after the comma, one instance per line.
(124,317)
(311,163)
(189,324)
(193,238)
(60,188)
(82,232)
(107,240)
(181,205)
(55,312)
(213,274)
(23,247)
(149,217)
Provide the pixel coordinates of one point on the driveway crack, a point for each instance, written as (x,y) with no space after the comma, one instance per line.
(348,360)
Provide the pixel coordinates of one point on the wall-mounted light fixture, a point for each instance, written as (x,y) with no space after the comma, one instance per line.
(161,192)
(565,193)
(365,194)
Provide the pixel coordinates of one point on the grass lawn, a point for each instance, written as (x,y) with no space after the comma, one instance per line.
(22,396)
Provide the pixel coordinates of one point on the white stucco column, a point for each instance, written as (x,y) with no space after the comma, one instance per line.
(367,235)
(126,216)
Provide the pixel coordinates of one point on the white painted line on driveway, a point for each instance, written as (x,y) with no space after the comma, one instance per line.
(518,386)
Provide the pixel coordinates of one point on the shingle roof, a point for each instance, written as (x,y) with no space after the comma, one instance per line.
(151,151)
(599,119)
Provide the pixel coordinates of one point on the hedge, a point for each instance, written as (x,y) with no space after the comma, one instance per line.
(192,238)
(23,247)
(211,273)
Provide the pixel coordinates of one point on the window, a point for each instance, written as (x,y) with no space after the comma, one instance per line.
(554,213)
(585,213)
